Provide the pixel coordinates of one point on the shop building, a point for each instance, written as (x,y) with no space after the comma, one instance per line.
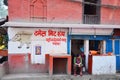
(58,28)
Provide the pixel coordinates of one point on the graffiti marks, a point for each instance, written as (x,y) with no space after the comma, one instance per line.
(23,37)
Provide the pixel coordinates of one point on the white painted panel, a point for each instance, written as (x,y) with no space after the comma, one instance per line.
(104,31)
(104,65)
(13,48)
(41,57)
(50,44)
(82,31)
(91,31)
(61,48)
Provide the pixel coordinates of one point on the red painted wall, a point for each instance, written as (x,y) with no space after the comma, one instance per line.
(18,10)
(18,64)
(110,15)
(56,11)
(65,11)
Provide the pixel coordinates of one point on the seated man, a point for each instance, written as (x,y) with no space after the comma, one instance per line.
(78,63)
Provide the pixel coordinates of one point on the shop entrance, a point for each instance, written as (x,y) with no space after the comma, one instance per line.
(77,44)
(96,45)
(77,47)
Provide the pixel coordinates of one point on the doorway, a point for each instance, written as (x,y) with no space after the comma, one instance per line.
(76,45)
(117,53)
(97,45)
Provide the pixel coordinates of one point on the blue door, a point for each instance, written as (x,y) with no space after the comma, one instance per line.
(109,46)
(117,53)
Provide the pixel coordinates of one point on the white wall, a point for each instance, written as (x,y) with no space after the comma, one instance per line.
(104,65)
(91,31)
(47,47)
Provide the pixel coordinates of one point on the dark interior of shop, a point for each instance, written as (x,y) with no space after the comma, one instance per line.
(94,45)
(76,44)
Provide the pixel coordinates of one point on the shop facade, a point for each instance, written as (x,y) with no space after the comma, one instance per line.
(27,49)
(60,27)
(105,61)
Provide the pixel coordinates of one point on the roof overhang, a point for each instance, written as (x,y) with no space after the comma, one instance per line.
(62,25)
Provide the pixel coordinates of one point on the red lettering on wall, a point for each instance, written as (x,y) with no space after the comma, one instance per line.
(51,33)
(55,37)
(40,33)
(61,33)
(56,41)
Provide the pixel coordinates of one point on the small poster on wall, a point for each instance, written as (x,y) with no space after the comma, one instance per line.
(37,50)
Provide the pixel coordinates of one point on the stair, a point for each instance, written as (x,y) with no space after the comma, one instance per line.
(38,76)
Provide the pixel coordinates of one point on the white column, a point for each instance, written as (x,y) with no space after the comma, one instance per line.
(104,47)
(86,51)
(113,46)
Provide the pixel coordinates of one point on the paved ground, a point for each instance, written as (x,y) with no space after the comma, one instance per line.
(37,76)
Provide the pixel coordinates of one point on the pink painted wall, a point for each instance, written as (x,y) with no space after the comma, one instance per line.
(18,10)
(65,11)
(18,64)
(110,15)
(56,11)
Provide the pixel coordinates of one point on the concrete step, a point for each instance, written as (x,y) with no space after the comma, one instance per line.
(34,76)
(38,76)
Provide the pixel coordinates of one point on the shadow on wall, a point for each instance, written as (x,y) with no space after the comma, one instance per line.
(4,69)
(3,59)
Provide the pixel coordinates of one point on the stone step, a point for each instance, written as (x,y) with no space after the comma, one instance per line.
(38,76)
